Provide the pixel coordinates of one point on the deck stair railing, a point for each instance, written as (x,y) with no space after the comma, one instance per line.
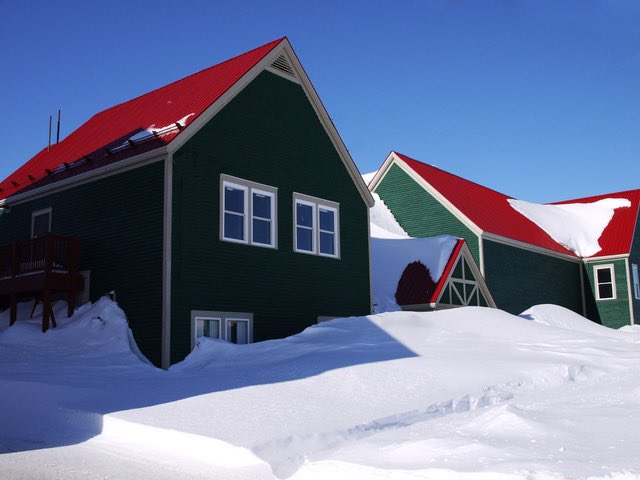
(39,267)
(49,253)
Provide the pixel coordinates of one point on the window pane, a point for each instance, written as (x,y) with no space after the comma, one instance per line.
(233,226)
(261,231)
(238,331)
(261,205)
(605,291)
(304,215)
(233,200)
(40,225)
(604,275)
(326,243)
(207,327)
(304,238)
(327,220)
(636,281)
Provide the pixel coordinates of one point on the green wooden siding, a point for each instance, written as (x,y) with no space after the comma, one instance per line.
(519,279)
(611,313)
(634,257)
(268,134)
(418,213)
(118,220)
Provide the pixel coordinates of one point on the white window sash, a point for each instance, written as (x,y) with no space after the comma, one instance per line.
(334,232)
(313,227)
(245,219)
(272,223)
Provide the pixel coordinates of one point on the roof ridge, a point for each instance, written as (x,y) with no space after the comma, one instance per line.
(635,191)
(455,175)
(188,76)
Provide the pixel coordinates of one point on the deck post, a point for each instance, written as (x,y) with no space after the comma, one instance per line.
(46,308)
(71,300)
(13,301)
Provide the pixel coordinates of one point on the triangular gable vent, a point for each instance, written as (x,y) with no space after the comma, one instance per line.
(283,65)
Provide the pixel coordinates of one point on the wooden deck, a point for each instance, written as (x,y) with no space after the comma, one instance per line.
(41,267)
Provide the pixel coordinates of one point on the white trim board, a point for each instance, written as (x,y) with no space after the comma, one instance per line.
(166,262)
(529,247)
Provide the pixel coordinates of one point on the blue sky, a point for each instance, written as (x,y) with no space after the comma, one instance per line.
(537,99)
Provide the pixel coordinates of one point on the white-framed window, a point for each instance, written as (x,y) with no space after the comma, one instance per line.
(208,326)
(636,280)
(316,226)
(248,212)
(233,327)
(41,222)
(605,281)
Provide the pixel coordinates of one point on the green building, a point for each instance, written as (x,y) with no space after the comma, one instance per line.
(521,263)
(224,205)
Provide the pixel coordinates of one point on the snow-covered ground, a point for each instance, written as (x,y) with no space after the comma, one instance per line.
(470,393)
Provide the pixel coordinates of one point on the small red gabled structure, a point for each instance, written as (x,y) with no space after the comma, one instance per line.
(461,284)
(41,266)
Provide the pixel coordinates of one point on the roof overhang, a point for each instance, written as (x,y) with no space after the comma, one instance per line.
(91,175)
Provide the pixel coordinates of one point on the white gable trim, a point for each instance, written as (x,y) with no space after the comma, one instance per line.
(323,116)
(328,125)
(394,159)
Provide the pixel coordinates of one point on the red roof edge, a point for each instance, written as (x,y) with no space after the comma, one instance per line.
(271,46)
(447,270)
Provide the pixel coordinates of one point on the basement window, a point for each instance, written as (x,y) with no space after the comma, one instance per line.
(233,327)
(248,213)
(605,282)
(316,228)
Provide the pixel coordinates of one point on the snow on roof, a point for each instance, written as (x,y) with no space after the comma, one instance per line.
(367,177)
(392,249)
(492,212)
(618,235)
(390,256)
(383,223)
(575,226)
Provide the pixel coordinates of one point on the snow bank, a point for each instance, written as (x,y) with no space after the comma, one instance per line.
(99,328)
(560,317)
(575,226)
(389,258)
(469,393)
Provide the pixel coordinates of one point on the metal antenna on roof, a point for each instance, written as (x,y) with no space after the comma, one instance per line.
(49,145)
(58,134)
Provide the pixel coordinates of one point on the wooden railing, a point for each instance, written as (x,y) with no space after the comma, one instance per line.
(49,253)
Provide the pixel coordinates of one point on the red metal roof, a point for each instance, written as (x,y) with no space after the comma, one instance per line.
(104,137)
(617,238)
(486,208)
